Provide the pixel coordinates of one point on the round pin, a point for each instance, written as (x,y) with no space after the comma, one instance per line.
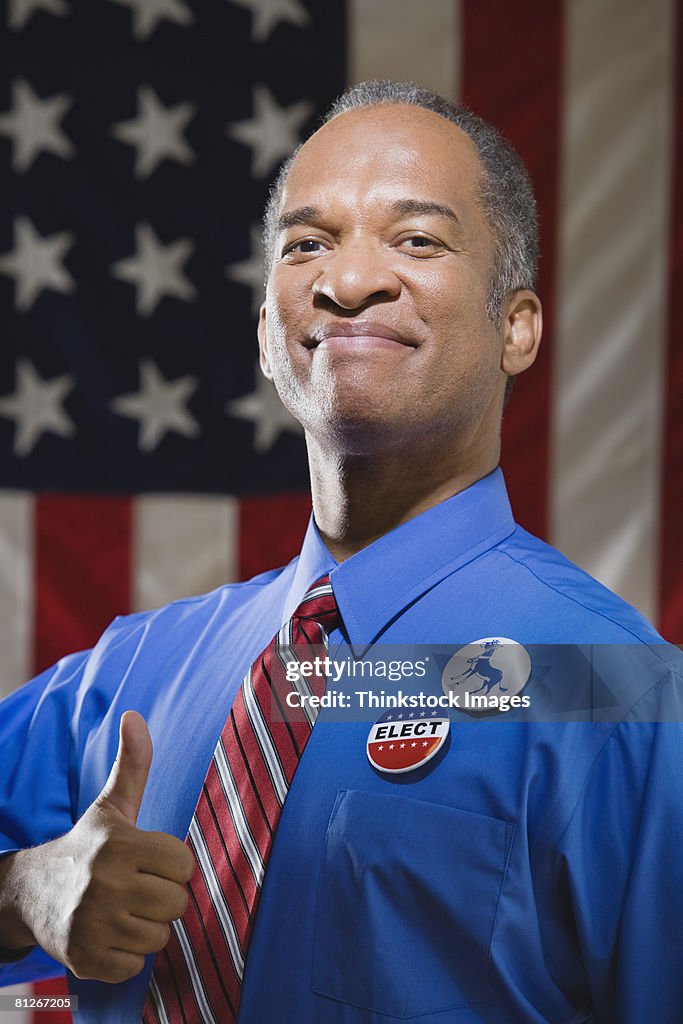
(402,741)
(485,671)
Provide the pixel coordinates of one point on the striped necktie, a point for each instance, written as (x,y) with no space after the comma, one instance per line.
(197,978)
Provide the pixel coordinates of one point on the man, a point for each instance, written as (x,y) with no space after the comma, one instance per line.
(529,872)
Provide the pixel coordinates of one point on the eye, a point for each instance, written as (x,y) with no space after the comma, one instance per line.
(420,245)
(302,247)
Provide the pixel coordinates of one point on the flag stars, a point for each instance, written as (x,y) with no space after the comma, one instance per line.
(148,13)
(156,270)
(264,409)
(36,407)
(21,10)
(35,263)
(159,406)
(273,131)
(156,132)
(268,13)
(33,126)
(249,272)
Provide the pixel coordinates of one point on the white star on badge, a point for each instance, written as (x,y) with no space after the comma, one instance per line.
(402,746)
(156,132)
(21,10)
(391,746)
(400,717)
(250,272)
(148,13)
(422,714)
(155,270)
(35,263)
(413,744)
(33,125)
(159,406)
(36,407)
(273,131)
(268,13)
(264,409)
(425,743)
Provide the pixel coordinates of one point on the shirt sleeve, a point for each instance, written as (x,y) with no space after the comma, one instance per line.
(622,861)
(38,778)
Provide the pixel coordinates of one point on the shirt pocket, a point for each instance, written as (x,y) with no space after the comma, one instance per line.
(406,904)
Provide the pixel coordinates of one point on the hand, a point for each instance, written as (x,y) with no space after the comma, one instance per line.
(101,897)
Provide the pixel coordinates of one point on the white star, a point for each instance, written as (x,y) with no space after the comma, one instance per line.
(413,744)
(156,132)
(21,10)
(391,746)
(33,125)
(35,262)
(265,410)
(155,269)
(273,131)
(250,272)
(148,13)
(425,743)
(402,746)
(400,717)
(268,13)
(36,407)
(381,746)
(159,406)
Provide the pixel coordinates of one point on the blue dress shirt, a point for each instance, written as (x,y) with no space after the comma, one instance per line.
(530,873)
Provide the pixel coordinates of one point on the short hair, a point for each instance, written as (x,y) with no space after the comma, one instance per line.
(504,190)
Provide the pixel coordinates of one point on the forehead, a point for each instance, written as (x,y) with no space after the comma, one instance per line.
(402,148)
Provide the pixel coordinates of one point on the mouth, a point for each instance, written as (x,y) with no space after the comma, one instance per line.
(358,335)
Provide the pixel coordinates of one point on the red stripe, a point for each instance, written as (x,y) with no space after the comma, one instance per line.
(83,571)
(82,580)
(53,987)
(671,535)
(512,76)
(271,531)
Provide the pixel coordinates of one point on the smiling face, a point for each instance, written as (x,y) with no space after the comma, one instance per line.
(374,327)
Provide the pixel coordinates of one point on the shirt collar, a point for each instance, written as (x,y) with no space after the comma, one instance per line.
(376,584)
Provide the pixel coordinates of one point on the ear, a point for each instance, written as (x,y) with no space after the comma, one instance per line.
(522,329)
(263,343)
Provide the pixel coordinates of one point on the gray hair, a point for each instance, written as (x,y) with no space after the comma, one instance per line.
(505,190)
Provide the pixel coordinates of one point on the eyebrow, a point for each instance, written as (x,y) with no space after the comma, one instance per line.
(305,214)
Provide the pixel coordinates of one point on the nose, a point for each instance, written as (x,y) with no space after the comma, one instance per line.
(355,275)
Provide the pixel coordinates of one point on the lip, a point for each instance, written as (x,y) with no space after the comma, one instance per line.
(357,334)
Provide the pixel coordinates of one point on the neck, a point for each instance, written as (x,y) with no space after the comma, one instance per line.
(358,498)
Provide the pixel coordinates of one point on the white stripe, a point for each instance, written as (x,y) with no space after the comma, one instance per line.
(16,591)
(17,1016)
(251,851)
(182,545)
(195,977)
(158,1001)
(208,871)
(406,40)
(264,739)
(611,329)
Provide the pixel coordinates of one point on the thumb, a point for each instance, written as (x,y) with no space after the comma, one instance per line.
(125,786)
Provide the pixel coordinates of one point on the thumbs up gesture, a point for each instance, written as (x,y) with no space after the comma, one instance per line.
(101,897)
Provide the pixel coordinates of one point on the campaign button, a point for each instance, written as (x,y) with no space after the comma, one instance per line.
(487,673)
(401,742)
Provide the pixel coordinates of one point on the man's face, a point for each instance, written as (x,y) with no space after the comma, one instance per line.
(374,323)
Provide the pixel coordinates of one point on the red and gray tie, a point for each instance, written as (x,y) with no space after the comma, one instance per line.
(197,978)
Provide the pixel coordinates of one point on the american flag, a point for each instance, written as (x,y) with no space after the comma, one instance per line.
(142,457)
